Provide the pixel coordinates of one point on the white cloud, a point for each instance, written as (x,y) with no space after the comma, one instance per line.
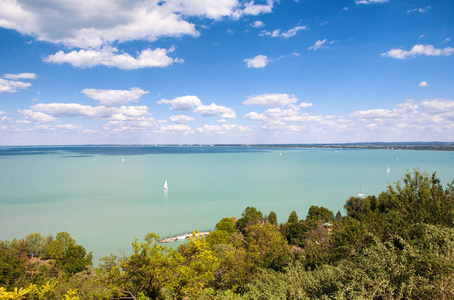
(250,8)
(420,10)
(246,128)
(418,50)
(285,34)
(423,84)
(108,57)
(374,114)
(94,24)
(437,106)
(68,127)
(216,128)
(20,76)
(176,128)
(446,40)
(114,97)
(305,104)
(182,103)
(271,100)
(181,119)
(258,24)
(260,61)
(4,119)
(215,110)
(91,112)
(318,44)
(370,1)
(35,117)
(11,86)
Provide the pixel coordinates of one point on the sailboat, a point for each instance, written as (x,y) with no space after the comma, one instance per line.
(388,170)
(360,194)
(165,185)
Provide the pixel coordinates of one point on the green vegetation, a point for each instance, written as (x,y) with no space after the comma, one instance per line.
(399,245)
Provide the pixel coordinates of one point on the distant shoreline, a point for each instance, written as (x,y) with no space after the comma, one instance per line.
(430,146)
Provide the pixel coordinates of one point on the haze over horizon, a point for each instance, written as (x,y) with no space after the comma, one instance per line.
(226,72)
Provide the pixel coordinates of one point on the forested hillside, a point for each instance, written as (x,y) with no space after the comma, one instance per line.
(397,245)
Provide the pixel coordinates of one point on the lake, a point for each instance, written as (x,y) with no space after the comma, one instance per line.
(104,196)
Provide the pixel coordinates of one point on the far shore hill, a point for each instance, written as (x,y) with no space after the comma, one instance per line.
(434,146)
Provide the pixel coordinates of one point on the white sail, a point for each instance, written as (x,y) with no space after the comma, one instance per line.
(388,170)
(360,194)
(165,185)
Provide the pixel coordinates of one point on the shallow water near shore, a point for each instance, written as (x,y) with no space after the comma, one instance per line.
(106,196)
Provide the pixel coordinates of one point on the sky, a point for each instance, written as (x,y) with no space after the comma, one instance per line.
(225,71)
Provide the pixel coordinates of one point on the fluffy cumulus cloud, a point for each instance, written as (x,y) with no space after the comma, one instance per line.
(111,57)
(182,103)
(11,83)
(181,119)
(114,97)
(258,24)
(90,112)
(35,117)
(271,100)
(423,84)
(260,61)
(429,117)
(418,50)
(215,110)
(11,86)
(93,24)
(286,34)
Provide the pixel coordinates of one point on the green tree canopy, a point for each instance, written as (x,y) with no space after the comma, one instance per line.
(293,217)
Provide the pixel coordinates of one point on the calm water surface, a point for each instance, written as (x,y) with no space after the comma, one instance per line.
(106,196)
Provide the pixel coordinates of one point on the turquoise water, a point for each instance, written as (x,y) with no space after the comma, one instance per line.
(106,196)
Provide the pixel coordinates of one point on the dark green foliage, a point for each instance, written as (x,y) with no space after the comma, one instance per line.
(70,257)
(249,217)
(11,265)
(293,217)
(347,236)
(320,213)
(272,218)
(295,233)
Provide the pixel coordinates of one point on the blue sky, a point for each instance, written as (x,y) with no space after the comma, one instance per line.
(226,71)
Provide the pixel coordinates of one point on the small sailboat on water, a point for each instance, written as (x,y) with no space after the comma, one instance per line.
(388,170)
(165,185)
(360,194)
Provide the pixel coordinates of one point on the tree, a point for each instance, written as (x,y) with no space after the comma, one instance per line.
(272,218)
(70,257)
(293,217)
(320,213)
(249,217)
(151,267)
(227,224)
(295,233)
(338,216)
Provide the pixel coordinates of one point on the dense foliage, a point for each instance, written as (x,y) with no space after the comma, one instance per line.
(399,245)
